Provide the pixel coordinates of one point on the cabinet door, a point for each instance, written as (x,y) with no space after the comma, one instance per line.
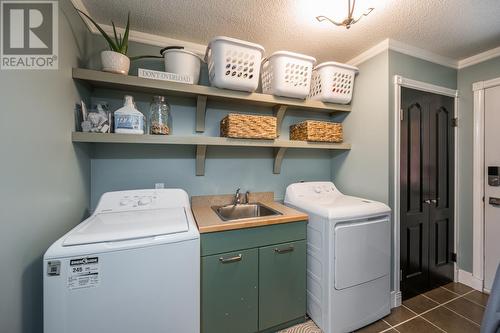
(229,294)
(282,283)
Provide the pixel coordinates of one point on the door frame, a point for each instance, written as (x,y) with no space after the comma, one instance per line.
(477,278)
(400,82)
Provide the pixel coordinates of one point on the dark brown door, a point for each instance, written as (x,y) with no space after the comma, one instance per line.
(427,191)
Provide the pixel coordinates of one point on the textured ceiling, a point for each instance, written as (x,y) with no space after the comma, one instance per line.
(452,28)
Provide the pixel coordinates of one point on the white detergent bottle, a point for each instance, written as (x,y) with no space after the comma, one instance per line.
(128,119)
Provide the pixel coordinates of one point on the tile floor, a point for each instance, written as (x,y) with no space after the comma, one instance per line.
(453,308)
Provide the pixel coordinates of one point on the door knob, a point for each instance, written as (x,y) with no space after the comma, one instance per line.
(427,201)
(435,201)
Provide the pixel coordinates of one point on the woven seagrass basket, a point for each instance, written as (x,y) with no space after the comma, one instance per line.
(246,126)
(318,131)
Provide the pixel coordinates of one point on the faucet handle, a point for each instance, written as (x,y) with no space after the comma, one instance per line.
(247,194)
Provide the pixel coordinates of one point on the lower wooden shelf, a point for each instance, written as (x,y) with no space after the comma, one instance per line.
(202,142)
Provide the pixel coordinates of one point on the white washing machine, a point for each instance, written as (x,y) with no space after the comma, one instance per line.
(133,266)
(348,256)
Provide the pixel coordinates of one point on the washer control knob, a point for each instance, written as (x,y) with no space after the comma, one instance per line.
(317,189)
(124,202)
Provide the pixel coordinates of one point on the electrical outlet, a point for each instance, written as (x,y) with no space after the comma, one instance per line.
(159,186)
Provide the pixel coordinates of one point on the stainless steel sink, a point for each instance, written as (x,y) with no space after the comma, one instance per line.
(244,211)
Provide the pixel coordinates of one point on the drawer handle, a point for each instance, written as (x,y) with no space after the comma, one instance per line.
(230,260)
(284,250)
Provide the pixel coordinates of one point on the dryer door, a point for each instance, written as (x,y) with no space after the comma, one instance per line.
(362,251)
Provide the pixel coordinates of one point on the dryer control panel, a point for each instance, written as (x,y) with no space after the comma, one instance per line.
(312,190)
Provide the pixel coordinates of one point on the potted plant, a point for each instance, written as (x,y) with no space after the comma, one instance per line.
(114,60)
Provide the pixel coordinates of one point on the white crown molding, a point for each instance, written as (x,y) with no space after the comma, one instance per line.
(140,37)
(370,53)
(478,58)
(422,54)
(391,44)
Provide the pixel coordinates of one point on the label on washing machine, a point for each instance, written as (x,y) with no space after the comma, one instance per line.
(83,273)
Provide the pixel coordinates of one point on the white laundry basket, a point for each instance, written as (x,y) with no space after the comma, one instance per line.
(333,82)
(233,63)
(287,74)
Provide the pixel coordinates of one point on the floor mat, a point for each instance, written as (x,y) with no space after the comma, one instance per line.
(307,327)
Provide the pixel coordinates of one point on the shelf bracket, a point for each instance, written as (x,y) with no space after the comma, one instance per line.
(201,111)
(279,113)
(201,154)
(279,153)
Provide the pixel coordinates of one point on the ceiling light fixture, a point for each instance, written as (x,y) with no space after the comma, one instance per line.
(349,20)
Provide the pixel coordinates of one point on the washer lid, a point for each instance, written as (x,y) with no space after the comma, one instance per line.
(119,226)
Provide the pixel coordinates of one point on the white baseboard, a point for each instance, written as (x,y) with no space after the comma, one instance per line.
(470,280)
(395,299)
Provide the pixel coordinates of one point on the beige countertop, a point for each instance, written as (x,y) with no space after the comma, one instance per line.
(209,221)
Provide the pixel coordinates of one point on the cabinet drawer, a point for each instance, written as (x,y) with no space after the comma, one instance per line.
(282,283)
(229,292)
(232,240)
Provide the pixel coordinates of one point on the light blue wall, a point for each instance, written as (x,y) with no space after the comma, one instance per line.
(466,77)
(363,171)
(44,179)
(115,167)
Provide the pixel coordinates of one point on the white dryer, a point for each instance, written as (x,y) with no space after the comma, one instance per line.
(348,256)
(133,266)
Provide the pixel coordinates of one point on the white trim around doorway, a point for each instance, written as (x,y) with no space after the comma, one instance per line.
(477,275)
(399,82)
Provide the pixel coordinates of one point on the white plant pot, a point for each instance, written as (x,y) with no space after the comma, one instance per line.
(115,62)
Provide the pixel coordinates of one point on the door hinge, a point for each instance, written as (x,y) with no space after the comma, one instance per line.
(453,257)
(454,122)
(401,114)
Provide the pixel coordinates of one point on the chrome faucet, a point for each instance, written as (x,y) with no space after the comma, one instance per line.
(237,199)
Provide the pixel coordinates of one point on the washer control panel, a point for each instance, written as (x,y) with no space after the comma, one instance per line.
(142,199)
(137,200)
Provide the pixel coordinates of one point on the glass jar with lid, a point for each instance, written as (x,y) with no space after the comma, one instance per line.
(159,114)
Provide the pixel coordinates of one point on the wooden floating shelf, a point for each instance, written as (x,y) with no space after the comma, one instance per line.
(202,142)
(202,94)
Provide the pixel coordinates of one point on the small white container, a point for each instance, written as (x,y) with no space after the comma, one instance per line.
(333,82)
(233,63)
(182,62)
(128,119)
(287,74)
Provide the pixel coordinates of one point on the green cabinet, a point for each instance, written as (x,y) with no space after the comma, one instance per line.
(229,292)
(282,283)
(253,280)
